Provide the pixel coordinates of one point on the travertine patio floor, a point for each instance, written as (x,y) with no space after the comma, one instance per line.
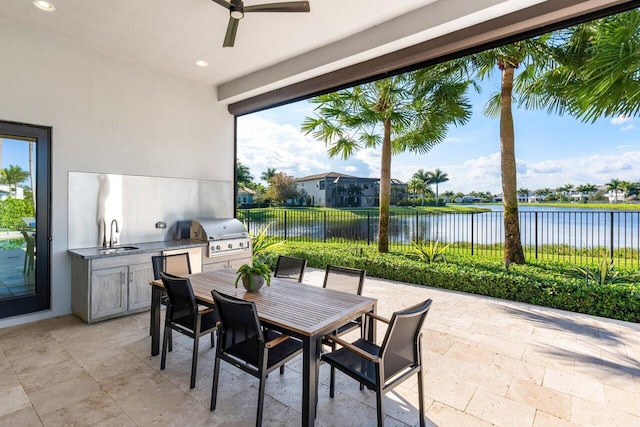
(487,362)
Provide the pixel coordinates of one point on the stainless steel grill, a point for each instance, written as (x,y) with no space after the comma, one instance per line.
(224,235)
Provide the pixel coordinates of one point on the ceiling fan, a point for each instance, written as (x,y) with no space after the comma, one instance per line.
(237,9)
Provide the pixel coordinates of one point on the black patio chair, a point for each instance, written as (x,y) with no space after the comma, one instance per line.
(185,316)
(350,280)
(176,265)
(290,268)
(243,343)
(381,368)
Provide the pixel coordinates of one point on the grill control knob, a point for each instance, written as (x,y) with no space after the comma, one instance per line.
(218,247)
(241,244)
(230,246)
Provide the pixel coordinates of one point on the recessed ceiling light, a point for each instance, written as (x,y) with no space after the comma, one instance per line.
(44,5)
(202,63)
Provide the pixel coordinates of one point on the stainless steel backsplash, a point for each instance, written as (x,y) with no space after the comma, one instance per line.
(137,203)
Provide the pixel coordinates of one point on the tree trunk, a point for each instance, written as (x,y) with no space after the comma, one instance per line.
(436,194)
(512,245)
(385,190)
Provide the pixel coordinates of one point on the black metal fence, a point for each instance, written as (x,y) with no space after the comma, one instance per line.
(575,236)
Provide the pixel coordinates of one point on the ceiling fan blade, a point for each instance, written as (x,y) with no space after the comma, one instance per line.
(223,3)
(291,6)
(230,36)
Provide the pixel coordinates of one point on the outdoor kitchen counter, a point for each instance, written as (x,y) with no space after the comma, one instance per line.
(141,248)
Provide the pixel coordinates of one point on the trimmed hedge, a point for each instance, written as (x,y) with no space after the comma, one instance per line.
(541,283)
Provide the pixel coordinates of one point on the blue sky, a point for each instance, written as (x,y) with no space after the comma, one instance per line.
(551,150)
(15,152)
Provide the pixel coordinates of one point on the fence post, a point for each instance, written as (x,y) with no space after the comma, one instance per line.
(417,225)
(324,224)
(536,232)
(472,221)
(611,236)
(368,228)
(285,225)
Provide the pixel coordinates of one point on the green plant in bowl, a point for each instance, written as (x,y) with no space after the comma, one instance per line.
(253,276)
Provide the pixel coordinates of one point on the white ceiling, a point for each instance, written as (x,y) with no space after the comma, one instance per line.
(173,34)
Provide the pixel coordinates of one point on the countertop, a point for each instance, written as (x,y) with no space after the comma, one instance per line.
(101,252)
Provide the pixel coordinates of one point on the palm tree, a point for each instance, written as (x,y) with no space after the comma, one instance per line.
(424,177)
(415,186)
(523,192)
(243,175)
(408,112)
(532,55)
(628,188)
(599,68)
(614,185)
(565,190)
(543,192)
(268,174)
(13,175)
(437,177)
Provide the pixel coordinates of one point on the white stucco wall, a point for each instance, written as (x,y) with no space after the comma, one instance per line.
(108,115)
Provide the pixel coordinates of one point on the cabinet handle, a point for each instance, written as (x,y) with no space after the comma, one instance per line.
(131,276)
(122,277)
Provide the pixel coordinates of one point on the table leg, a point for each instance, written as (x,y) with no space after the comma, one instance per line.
(156,296)
(310,365)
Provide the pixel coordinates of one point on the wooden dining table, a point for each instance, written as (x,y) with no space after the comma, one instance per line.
(299,310)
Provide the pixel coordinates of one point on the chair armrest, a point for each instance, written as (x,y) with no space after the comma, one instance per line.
(274,342)
(375,316)
(360,352)
(202,309)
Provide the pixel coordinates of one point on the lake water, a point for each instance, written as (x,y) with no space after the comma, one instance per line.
(539,225)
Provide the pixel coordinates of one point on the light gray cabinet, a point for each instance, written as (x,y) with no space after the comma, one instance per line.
(103,288)
(233,260)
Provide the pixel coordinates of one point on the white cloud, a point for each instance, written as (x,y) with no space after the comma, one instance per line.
(621,120)
(351,169)
(625,122)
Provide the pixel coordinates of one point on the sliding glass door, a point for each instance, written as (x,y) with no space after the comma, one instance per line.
(24,218)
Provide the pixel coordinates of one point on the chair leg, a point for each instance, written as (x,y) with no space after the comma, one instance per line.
(380,407)
(332,382)
(163,360)
(281,369)
(421,398)
(213,338)
(170,340)
(214,388)
(261,387)
(194,361)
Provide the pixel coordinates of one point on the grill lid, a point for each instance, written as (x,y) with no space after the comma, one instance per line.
(217,229)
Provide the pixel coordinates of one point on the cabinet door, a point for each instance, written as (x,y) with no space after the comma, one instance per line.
(139,289)
(108,292)
(215,266)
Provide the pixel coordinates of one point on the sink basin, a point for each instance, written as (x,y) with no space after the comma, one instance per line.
(117,250)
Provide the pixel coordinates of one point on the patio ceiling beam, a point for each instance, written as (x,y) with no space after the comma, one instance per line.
(520,24)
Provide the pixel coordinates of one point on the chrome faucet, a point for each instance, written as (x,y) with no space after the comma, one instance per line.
(111,239)
(104,233)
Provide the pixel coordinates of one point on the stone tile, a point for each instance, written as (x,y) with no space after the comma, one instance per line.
(585,412)
(499,410)
(574,385)
(546,420)
(26,417)
(485,378)
(440,414)
(519,369)
(502,347)
(97,409)
(471,354)
(401,404)
(448,389)
(622,400)
(62,394)
(13,399)
(542,398)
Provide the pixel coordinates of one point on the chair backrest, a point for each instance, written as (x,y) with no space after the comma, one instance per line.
(290,268)
(400,345)
(175,265)
(240,323)
(182,301)
(344,279)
